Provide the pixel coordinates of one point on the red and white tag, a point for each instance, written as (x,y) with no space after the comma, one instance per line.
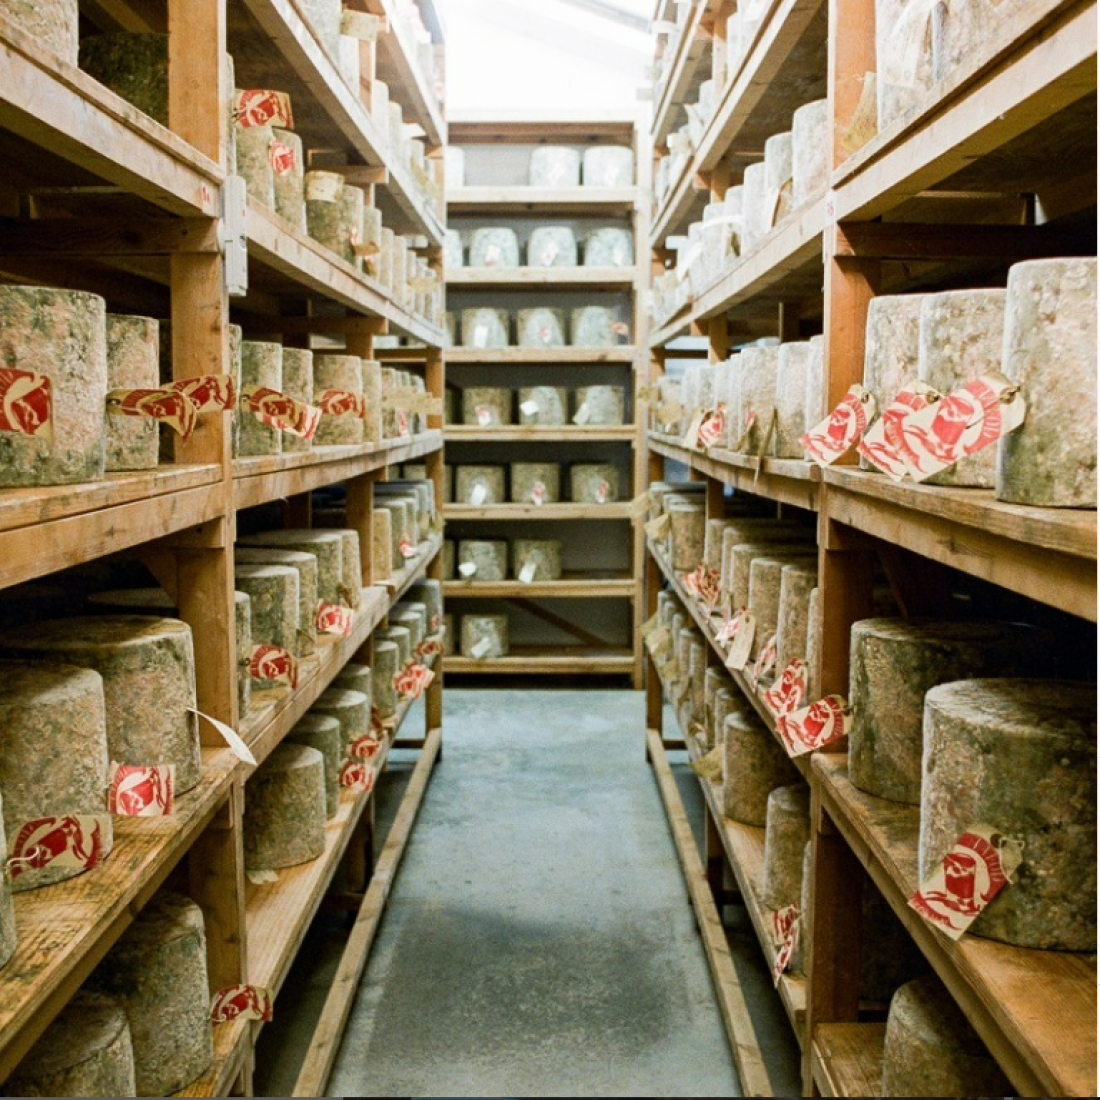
(77,842)
(603,491)
(538,493)
(788,947)
(727,631)
(411,681)
(26,403)
(270,662)
(620,328)
(765,661)
(815,726)
(407,548)
(331,618)
(883,445)
(366,747)
(786,694)
(828,440)
(136,791)
(978,866)
(402,424)
(208,392)
(283,158)
(165,405)
(241,1002)
(430,647)
(276,410)
(355,775)
(342,403)
(702,583)
(713,428)
(261,107)
(961,424)
(744,632)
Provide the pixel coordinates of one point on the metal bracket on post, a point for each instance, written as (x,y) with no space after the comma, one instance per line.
(234,235)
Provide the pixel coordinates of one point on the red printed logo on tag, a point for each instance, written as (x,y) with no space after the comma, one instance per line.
(208,392)
(785,695)
(407,548)
(429,647)
(355,775)
(402,424)
(283,158)
(333,619)
(269,662)
(713,427)
(342,403)
(815,726)
(411,681)
(276,410)
(136,791)
(828,440)
(165,405)
(978,866)
(74,841)
(244,1002)
(727,631)
(884,446)
(366,747)
(260,107)
(26,403)
(788,946)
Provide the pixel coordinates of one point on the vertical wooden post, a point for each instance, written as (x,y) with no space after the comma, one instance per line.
(197,87)
(435,380)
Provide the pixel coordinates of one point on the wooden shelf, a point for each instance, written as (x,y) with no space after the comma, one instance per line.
(541,278)
(232,1043)
(846,1059)
(693,46)
(65,929)
(70,115)
(785,480)
(541,356)
(548,660)
(583,201)
(272,477)
(566,588)
(527,433)
(565,511)
(1048,554)
(43,530)
(1035,1010)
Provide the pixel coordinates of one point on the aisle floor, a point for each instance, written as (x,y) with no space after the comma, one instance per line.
(538,940)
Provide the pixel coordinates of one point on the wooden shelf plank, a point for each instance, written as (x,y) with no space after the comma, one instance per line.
(66,112)
(693,46)
(272,477)
(65,929)
(1035,1010)
(846,1059)
(565,588)
(232,1043)
(526,127)
(462,201)
(526,433)
(540,356)
(542,278)
(547,660)
(1048,554)
(567,511)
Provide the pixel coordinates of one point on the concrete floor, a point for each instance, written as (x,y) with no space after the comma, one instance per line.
(538,941)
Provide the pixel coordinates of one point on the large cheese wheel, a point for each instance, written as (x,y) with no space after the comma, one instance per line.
(488,556)
(537,559)
(261,365)
(538,482)
(797,581)
(810,150)
(480,485)
(776,548)
(306,567)
(133,362)
(1050,352)
(429,592)
(289,184)
(326,547)
(415,621)
(148,670)
(61,334)
(343,373)
(86,1051)
(297,383)
(778,165)
(931,1049)
(546,405)
(753,766)
(1019,756)
(894,662)
(765,584)
(601,405)
(350,708)
(790,398)
(594,327)
(687,535)
(754,529)
(254,162)
(486,406)
(897,99)
(786,832)
(608,166)
(9,938)
(759,379)
(609,246)
(158,971)
(351,564)
(386,663)
(324,733)
(403,638)
(273,592)
(596,483)
(485,637)
(484,327)
(132,65)
(285,809)
(554,166)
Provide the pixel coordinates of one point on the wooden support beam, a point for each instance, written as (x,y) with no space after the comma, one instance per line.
(106,236)
(561,623)
(909,241)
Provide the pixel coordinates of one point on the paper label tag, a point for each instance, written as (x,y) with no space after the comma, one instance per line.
(484,415)
(493,255)
(603,491)
(547,254)
(705,585)
(481,335)
(815,726)
(744,631)
(620,329)
(660,642)
(323,186)
(333,619)
(262,877)
(786,694)
(467,568)
(412,680)
(961,424)
(262,107)
(727,631)
(342,403)
(538,493)
(480,648)
(787,949)
(880,446)
(136,791)
(691,436)
(73,841)
(430,647)
(713,428)
(529,408)
(765,661)
(283,158)
(829,439)
(366,747)
(360,24)
(407,548)
(479,493)
(276,410)
(783,920)
(978,866)
(241,1002)
(356,775)
(164,405)
(270,662)
(657,528)
(232,738)
(583,414)
(545,334)
(527,573)
(748,424)
(208,392)
(26,403)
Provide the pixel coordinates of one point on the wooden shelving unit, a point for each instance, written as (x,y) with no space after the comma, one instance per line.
(95,155)
(487,204)
(1016,121)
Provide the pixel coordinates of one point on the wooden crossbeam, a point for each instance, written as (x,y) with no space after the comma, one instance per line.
(106,236)
(902,241)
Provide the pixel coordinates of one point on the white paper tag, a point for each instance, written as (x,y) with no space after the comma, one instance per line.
(827,441)
(480,648)
(232,738)
(529,408)
(880,446)
(527,573)
(815,726)
(467,568)
(492,255)
(479,493)
(738,655)
(262,878)
(484,416)
(583,414)
(481,335)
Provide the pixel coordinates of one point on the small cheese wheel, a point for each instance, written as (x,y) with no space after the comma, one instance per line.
(289,178)
(931,1049)
(254,162)
(323,732)
(486,406)
(765,583)
(1020,756)
(273,591)
(790,398)
(485,637)
(786,831)
(546,405)
(488,556)
(86,1051)
(759,381)
(148,670)
(326,547)
(305,565)
(350,708)
(798,580)
(285,808)
(538,482)
(687,535)
(133,362)
(596,483)
(894,662)
(540,327)
(157,970)
(480,485)
(351,563)
(537,559)
(297,383)
(554,166)
(753,766)
(385,665)
(810,149)
(382,539)
(261,365)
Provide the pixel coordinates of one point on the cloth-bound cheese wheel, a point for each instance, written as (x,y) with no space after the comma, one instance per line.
(285,809)
(355,677)
(743,554)
(540,327)
(759,379)
(1020,757)
(403,639)
(261,365)
(609,246)
(596,327)
(343,373)
(148,669)
(326,546)
(289,182)
(486,406)
(810,148)
(324,733)
(133,362)
(687,535)
(350,708)
(273,592)
(537,559)
(351,564)
(381,542)
(157,970)
(903,62)
(715,679)
(765,584)
(484,327)
(385,665)
(552,246)
(608,166)
(429,592)
(485,637)
(298,384)
(895,662)
(798,580)
(600,405)
(9,938)
(931,1049)
(790,398)
(786,832)
(415,621)
(306,567)
(754,765)
(133,65)
(480,485)
(255,162)
(86,1051)
(494,246)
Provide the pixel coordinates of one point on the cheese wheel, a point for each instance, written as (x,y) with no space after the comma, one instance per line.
(386,663)
(448,635)
(815,383)
(595,327)
(297,383)
(415,621)
(242,617)
(494,246)
(351,563)
(797,581)
(148,670)
(715,679)
(323,733)
(452,257)
(786,832)
(273,592)
(483,327)
(778,164)
(354,677)
(894,662)
(601,405)
(750,530)
(401,636)
(480,485)
(342,373)
(488,556)
(742,555)
(254,162)
(546,405)
(805,902)
(765,583)
(541,327)
(324,17)
(536,482)
(372,395)
(810,149)
(687,535)
(381,542)
(753,766)
(790,398)
(537,559)
(759,380)
(289,178)
(931,1049)
(554,166)
(54,24)
(1019,756)
(430,592)
(813,644)
(261,365)
(157,970)
(133,362)
(132,65)
(697,669)
(485,637)
(486,406)
(609,246)
(898,98)
(326,546)
(285,808)
(350,708)
(306,567)
(449,550)
(608,166)
(594,484)
(755,217)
